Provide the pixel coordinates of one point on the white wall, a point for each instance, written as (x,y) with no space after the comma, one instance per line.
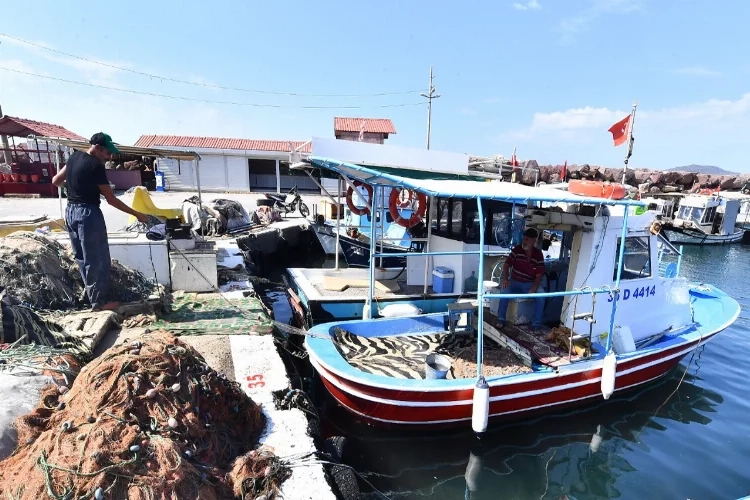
(238,174)
(182,170)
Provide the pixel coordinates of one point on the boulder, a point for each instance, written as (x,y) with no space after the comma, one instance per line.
(741,180)
(654,189)
(687,179)
(671,177)
(528,176)
(530,164)
(657,177)
(554,178)
(612,174)
(640,175)
(703,179)
(727,181)
(546,170)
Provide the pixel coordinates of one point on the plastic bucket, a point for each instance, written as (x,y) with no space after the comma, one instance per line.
(436,366)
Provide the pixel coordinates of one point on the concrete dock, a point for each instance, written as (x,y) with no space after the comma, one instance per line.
(230,328)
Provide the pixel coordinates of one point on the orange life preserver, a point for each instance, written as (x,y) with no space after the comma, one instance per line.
(350,203)
(394,203)
(596,189)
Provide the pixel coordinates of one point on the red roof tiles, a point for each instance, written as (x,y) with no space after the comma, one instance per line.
(21,127)
(182,141)
(373,125)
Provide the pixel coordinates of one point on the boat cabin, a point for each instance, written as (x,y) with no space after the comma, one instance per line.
(710,214)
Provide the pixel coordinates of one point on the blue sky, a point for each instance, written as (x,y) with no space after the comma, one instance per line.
(547,76)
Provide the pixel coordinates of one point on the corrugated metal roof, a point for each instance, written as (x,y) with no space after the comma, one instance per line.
(184,141)
(21,127)
(373,125)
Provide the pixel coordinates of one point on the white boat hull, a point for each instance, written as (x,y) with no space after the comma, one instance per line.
(697,238)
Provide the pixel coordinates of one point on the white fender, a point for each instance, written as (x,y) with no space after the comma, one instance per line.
(366,312)
(473,469)
(596,440)
(481,406)
(609,368)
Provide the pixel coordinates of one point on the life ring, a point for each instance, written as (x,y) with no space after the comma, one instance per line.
(349,203)
(394,203)
(597,189)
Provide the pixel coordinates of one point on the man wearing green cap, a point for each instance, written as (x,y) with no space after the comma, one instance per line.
(85,178)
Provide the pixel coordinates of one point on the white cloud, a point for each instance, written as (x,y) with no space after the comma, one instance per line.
(723,113)
(572,25)
(697,71)
(530,5)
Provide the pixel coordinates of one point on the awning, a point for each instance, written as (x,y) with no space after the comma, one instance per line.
(457,188)
(128,150)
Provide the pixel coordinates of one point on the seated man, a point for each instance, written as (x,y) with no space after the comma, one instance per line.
(522,273)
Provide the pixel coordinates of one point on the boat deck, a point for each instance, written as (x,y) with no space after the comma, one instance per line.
(510,350)
(359,291)
(404,356)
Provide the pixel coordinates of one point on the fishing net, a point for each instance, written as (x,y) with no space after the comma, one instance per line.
(143,421)
(41,272)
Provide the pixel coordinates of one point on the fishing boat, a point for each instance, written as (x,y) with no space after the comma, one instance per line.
(402,227)
(705,219)
(621,315)
(350,236)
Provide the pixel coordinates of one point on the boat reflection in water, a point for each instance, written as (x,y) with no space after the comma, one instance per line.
(569,455)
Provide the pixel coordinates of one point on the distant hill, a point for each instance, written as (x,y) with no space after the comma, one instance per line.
(703,169)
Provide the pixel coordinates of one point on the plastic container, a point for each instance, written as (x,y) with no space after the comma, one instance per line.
(160,186)
(622,341)
(400,310)
(442,280)
(490,287)
(436,366)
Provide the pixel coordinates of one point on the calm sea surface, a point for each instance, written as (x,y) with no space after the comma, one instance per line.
(658,442)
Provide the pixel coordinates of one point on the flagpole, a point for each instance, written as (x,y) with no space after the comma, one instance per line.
(630,141)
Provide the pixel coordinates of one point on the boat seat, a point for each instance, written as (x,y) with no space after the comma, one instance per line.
(461,317)
(143,203)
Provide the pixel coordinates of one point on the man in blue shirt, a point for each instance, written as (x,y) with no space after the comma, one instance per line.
(85,179)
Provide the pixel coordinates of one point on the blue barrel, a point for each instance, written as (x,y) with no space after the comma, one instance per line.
(160,181)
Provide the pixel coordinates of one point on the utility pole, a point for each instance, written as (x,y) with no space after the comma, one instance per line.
(430,96)
(4,143)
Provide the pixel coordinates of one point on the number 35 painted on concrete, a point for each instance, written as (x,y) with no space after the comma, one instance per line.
(636,293)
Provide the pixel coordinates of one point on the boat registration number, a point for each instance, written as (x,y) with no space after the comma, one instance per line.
(636,293)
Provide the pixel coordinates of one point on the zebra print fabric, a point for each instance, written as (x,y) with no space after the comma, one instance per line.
(398,356)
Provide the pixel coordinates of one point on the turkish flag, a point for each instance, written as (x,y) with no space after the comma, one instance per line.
(620,131)
(564,171)
(514,160)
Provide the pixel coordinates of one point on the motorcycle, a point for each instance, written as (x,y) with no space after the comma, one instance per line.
(289,202)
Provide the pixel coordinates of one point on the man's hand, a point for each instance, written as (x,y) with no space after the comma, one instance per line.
(143,218)
(504,284)
(532,289)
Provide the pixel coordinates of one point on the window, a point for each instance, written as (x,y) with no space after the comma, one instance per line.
(439,216)
(708,215)
(636,260)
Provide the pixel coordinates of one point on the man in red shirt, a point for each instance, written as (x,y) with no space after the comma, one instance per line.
(522,273)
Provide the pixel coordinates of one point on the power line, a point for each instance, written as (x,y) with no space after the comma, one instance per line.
(255,105)
(207,85)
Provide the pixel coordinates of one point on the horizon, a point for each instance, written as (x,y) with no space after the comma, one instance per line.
(545,78)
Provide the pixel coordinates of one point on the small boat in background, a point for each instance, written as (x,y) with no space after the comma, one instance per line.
(705,220)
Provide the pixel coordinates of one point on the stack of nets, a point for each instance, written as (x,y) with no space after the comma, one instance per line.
(143,421)
(41,272)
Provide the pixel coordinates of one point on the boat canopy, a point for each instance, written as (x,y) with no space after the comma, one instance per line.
(450,188)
